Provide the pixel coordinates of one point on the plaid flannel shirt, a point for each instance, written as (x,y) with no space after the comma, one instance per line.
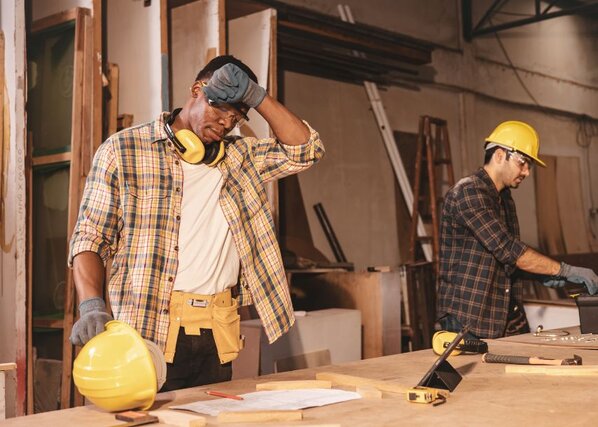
(479,247)
(131,208)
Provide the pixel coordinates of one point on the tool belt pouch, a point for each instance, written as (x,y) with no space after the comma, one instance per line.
(226,328)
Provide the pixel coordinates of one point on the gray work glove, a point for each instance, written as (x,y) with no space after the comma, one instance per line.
(230,85)
(580,275)
(554,282)
(93,318)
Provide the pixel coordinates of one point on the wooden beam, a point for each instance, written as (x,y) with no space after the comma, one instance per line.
(51,159)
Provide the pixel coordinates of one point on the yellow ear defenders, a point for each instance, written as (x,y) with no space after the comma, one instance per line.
(190,147)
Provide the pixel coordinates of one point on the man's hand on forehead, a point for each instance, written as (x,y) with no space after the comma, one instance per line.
(231,85)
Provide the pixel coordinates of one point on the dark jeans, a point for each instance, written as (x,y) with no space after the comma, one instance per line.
(450,323)
(195,362)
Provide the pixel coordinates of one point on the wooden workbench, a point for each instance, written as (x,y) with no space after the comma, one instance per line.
(486,396)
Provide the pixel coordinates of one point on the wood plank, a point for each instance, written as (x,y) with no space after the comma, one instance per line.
(570,205)
(97,113)
(249,40)
(30,358)
(293,385)
(39,322)
(259,416)
(2,394)
(52,20)
(584,371)
(355,381)
(51,159)
(550,234)
(112,103)
(8,366)
(194,28)
(177,418)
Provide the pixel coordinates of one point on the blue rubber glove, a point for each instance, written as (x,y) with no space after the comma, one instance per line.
(230,85)
(93,317)
(580,275)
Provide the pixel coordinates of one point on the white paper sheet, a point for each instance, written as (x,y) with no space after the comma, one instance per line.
(272,400)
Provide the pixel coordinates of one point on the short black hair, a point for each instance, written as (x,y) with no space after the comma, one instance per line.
(219,61)
(489,153)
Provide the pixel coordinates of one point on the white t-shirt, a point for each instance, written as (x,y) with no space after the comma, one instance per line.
(208,259)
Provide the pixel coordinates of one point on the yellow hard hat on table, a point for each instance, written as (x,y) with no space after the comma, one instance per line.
(518,136)
(119,370)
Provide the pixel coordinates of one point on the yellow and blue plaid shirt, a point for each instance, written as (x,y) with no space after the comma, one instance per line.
(130,212)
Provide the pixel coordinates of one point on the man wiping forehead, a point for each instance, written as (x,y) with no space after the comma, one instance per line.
(182,210)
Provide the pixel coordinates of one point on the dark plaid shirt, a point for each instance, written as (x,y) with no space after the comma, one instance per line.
(479,246)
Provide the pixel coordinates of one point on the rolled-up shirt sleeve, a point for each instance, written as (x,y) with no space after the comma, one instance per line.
(96,229)
(274,159)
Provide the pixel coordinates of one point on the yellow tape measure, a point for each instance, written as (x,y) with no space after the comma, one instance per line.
(420,394)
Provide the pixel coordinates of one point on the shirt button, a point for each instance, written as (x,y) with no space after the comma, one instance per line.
(507,291)
(165,311)
(246,286)
(178,217)
(176,248)
(178,189)
(169,144)
(170,279)
(176,162)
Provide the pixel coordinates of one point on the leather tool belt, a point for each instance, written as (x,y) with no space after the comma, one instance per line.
(194,312)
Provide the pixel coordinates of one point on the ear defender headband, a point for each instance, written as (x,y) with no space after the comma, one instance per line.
(190,147)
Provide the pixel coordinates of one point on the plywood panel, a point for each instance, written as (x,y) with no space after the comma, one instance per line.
(195,28)
(550,235)
(570,203)
(250,41)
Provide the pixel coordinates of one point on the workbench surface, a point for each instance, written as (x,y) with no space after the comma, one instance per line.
(486,395)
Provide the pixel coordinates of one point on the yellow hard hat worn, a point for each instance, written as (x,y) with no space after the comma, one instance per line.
(518,136)
(119,370)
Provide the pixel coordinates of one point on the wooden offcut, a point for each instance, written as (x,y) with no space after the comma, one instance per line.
(361,382)
(582,371)
(293,385)
(177,418)
(259,416)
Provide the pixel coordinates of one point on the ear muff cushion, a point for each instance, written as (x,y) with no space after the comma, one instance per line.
(219,155)
(195,148)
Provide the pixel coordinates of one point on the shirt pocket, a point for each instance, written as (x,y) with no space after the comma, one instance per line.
(144,206)
(145,192)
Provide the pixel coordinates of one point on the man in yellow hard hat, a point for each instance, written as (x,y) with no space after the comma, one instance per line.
(181,209)
(481,255)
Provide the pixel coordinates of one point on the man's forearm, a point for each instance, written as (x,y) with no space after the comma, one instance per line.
(88,274)
(534,262)
(287,127)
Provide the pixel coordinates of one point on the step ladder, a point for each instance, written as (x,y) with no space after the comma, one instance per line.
(433,153)
(430,182)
